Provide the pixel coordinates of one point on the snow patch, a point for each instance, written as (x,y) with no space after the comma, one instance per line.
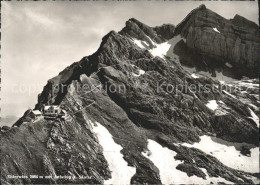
(248,84)
(212,104)
(220,101)
(141,72)
(216,30)
(140,43)
(120,171)
(228,65)
(229,94)
(153,43)
(254,117)
(253,106)
(193,75)
(160,50)
(163,159)
(228,155)
(219,112)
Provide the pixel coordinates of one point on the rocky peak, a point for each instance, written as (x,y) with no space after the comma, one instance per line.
(199,17)
(107,37)
(114,50)
(187,20)
(214,38)
(206,18)
(202,7)
(136,29)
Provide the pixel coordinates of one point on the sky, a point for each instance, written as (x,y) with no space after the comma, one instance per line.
(40,39)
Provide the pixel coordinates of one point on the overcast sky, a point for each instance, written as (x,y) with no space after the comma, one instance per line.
(39,39)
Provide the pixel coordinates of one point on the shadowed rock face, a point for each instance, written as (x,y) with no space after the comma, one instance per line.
(217,39)
(144,109)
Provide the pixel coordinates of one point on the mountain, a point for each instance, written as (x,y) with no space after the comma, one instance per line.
(147,107)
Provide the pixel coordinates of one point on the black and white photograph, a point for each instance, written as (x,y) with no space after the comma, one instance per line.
(121,92)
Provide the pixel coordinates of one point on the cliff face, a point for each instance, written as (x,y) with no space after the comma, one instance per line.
(120,102)
(235,41)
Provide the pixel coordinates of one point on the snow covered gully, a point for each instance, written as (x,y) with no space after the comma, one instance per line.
(120,171)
